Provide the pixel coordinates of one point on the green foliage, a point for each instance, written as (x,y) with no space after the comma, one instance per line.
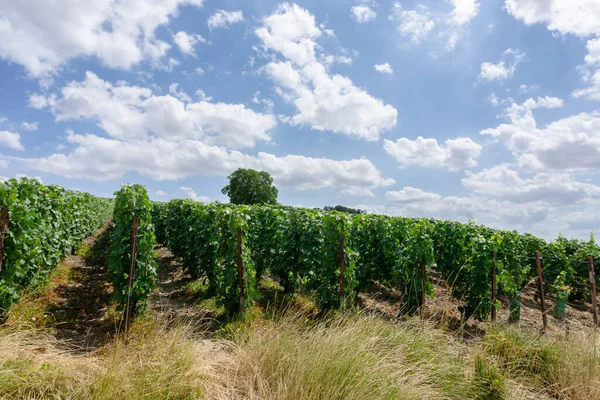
(132,201)
(299,248)
(247,186)
(46,222)
(204,238)
(345,209)
(160,219)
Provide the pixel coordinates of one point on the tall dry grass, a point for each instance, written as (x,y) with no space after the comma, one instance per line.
(291,357)
(341,358)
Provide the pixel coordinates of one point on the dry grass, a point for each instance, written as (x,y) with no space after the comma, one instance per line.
(340,358)
(152,363)
(294,357)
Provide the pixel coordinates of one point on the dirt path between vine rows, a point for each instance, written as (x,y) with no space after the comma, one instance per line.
(169,301)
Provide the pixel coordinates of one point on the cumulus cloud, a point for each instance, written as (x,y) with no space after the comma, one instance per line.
(12,140)
(29,126)
(414,25)
(384,68)
(187,42)
(575,17)
(591,72)
(222,19)
(500,182)
(504,69)
(415,202)
(363,13)
(100,158)
(133,112)
(455,154)
(458,19)
(43,36)
(323,101)
(451,26)
(160,193)
(567,144)
(193,195)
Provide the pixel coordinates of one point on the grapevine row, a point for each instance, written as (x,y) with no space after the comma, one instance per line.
(301,249)
(132,217)
(44,223)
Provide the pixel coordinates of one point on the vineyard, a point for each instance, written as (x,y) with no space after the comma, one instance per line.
(334,256)
(206,303)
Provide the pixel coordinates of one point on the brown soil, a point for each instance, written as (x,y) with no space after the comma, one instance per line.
(445,310)
(169,301)
(81,306)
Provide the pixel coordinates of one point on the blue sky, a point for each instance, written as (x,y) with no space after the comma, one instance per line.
(453,109)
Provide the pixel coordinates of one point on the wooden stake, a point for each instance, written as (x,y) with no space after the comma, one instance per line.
(129,306)
(342,265)
(538,263)
(240,265)
(423,276)
(593,282)
(494,288)
(3,230)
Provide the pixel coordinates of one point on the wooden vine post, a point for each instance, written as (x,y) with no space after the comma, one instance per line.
(3,230)
(593,283)
(494,287)
(423,276)
(342,265)
(129,307)
(240,265)
(538,263)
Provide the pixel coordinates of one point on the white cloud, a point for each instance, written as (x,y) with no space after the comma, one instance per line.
(415,202)
(291,31)
(524,89)
(101,158)
(3,164)
(186,42)
(568,144)
(323,101)
(504,69)
(451,25)
(221,19)
(30,126)
(363,13)
(179,93)
(412,24)
(132,112)
(502,183)
(12,140)
(457,20)
(493,99)
(591,72)
(44,36)
(194,196)
(409,194)
(384,68)
(202,96)
(160,193)
(578,17)
(456,154)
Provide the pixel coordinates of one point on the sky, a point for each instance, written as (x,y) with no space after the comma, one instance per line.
(454,109)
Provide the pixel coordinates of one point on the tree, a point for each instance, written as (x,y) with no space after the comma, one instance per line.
(247,186)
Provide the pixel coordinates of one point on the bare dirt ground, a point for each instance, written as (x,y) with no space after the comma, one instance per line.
(445,309)
(169,300)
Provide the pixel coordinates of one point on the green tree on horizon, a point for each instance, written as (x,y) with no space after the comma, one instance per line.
(248,186)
